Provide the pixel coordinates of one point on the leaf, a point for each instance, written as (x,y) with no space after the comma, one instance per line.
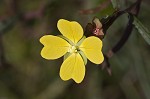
(115,3)
(142,30)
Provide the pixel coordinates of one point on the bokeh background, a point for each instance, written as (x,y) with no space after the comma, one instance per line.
(24,74)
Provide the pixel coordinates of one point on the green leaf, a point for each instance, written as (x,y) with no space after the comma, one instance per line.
(115,4)
(142,30)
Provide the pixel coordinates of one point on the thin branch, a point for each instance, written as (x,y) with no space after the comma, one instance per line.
(125,35)
(132,10)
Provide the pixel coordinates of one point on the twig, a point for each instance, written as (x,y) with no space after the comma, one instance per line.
(132,10)
(125,35)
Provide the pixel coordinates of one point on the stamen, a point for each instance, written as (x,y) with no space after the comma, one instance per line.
(72,49)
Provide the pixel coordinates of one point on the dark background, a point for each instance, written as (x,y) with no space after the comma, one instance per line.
(24,74)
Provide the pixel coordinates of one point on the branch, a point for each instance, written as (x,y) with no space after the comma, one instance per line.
(132,10)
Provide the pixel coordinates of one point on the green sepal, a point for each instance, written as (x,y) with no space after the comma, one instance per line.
(69,41)
(80,52)
(83,57)
(81,40)
(66,55)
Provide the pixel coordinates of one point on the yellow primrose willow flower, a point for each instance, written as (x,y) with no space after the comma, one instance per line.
(75,47)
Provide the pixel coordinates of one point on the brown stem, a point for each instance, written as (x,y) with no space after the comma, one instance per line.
(132,10)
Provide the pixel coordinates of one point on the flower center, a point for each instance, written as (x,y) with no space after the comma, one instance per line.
(73,49)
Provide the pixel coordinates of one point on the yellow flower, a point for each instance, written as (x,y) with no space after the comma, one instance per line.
(75,47)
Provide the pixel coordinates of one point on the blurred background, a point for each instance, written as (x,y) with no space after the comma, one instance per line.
(24,74)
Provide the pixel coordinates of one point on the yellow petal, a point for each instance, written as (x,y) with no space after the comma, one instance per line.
(92,47)
(54,47)
(73,67)
(72,30)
